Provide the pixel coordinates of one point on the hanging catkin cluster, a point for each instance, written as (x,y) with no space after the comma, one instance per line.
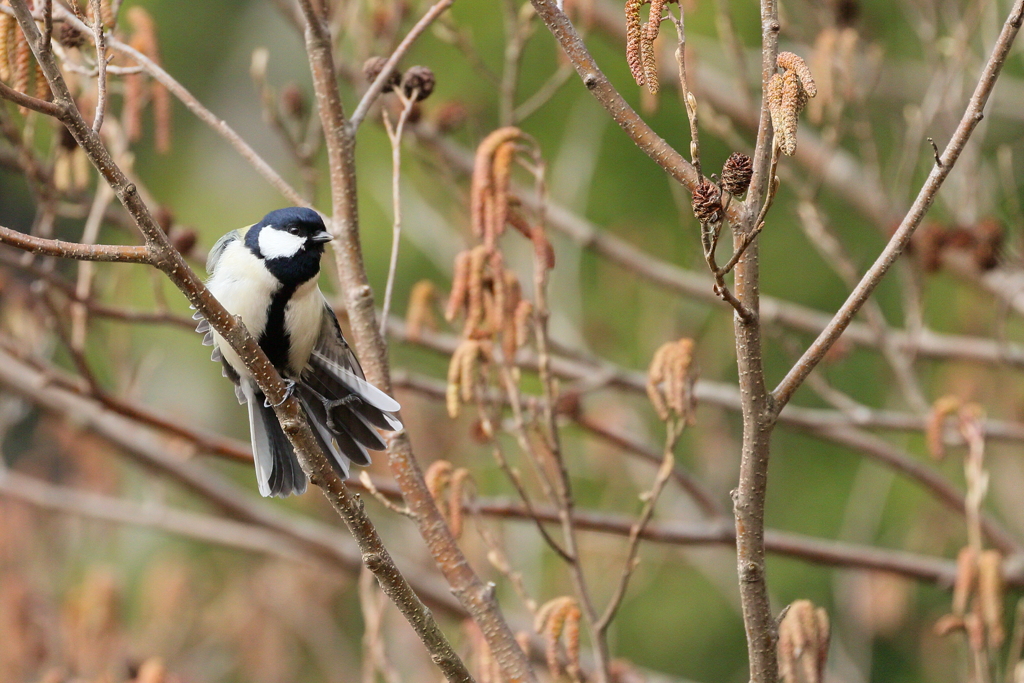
(486,294)
(465,374)
(489,297)
(555,618)
(447,485)
(420,313)
(804,636)
(787,95)
(489,193)
(17,65)
(978,596)
(640,41)
(670,380)
(140,90)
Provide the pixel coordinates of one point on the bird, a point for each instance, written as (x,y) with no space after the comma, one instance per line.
(266,274)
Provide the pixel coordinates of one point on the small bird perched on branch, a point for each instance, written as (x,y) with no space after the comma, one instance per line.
(267,275)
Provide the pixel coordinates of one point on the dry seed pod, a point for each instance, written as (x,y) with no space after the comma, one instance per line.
(372,68)
(420,312)
(804,635)
(941,409)
(991,593)
(707,202)
(792,62)
(419,81)
(736,173)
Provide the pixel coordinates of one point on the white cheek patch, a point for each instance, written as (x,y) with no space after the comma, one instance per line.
(278,243)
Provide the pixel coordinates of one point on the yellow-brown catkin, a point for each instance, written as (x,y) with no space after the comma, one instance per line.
(420,313)
(481,186)
(22,62)
(460,286)
(792,103)
(456,487)
(502,168)
(792,62)
(966,578)
(467,366)
(773,93)
(991,594)
(475,310)
(437,477)
(452,391)
(523,315)
(633,38)
(131,109)
(650,65)
(6,40)
(934,428)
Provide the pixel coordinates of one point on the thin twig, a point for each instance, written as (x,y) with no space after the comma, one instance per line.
(72,250)
(101,66)
(395,136)
(674,428)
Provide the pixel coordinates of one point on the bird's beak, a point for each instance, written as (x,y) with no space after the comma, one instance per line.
(322,236)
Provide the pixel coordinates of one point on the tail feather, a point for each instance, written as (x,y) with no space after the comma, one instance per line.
(278,472)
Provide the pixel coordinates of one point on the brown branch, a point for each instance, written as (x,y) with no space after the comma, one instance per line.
(972,116)
(477,597)
(71,250)
(29,102)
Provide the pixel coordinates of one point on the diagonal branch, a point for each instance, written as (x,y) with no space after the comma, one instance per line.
(971,118)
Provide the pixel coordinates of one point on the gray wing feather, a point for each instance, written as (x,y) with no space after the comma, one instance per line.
(334,353)
(218,249)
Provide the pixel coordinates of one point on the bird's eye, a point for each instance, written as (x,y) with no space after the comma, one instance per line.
(294,231)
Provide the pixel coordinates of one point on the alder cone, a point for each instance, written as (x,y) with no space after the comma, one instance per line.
(736,173)
(707,202)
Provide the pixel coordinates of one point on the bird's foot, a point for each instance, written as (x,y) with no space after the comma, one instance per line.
(329,406)
(289,390)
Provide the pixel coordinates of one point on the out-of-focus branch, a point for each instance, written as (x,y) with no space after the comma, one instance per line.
(217,124)
(478,598)
(971,118)
(29,102)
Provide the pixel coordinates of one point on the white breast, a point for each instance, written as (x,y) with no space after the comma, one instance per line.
(244,287)
(302,319)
